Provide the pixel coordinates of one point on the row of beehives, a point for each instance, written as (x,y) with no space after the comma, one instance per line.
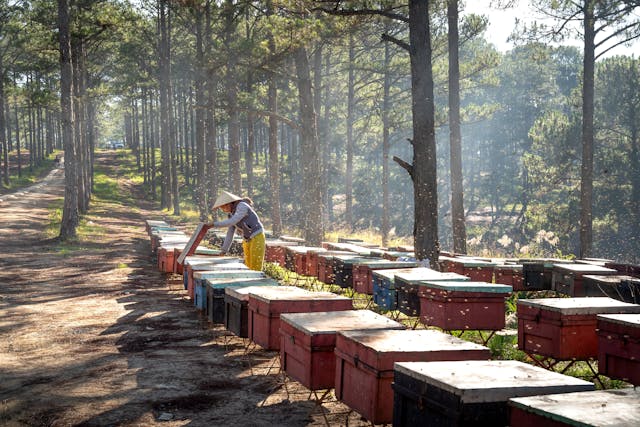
(455,301)
(439,379)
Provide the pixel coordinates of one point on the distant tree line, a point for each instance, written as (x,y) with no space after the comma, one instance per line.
(303,106)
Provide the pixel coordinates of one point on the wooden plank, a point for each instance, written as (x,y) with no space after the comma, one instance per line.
(193,243)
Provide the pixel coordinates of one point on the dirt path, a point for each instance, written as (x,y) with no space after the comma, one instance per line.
(92,334)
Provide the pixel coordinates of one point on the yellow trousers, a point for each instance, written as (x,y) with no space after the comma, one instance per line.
(254,252)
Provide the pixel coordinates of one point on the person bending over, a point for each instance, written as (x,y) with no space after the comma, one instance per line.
(243,219)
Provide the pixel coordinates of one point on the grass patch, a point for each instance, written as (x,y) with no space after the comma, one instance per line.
(367,236)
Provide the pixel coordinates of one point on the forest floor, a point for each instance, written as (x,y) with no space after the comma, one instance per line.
(92,334)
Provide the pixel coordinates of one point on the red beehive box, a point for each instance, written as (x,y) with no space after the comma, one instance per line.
(325,267)
(567,278)
(298,258)
(363,276)
(619,346)
(510,274)
(265,307)
(618,407)
(564,328)
(463,305)
(476,270)
(166,257)
(364,364)
(177,267)
(194,241)
(313,260)
(308,341)
(275,251)
(408,283)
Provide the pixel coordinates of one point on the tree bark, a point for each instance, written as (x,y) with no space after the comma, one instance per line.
(350,119)
(70,216)
(455,138)
(232,100)
(424,143)
(586,179)
(386,146)
(3,140)
(311,194)
(274,159)
(165,134)
(200,115)
(19,160)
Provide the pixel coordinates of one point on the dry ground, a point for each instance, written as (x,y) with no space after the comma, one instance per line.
(92,334)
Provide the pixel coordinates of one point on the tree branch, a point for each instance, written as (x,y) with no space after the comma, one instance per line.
(388,38)
(616,34)
(344,12)
(406,166)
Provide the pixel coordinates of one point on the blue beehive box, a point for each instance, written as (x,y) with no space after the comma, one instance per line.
(384,292)
(200,284)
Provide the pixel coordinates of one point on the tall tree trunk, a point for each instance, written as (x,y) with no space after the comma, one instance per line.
(232,99)
(50,131)
(251,139)
(635,174)
(423,169)
(327,196)
(200,153)
(455,138)
(586,179)
(348,188)
(70,216)
(79,122)
(91,145)
(155,134)
(40,130)
(30,129)
(135,132)
(211,124)
(251,118)
(322,124)
(173,164)
(386,146)
(274,160)
(8,122)
(186,116)
(3,139)
(145,136)
(19,159)
(312,196)
(165,133)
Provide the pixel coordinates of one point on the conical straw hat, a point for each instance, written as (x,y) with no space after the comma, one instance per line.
(225,198)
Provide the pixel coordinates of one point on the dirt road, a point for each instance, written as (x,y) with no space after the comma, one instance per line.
(92,334)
